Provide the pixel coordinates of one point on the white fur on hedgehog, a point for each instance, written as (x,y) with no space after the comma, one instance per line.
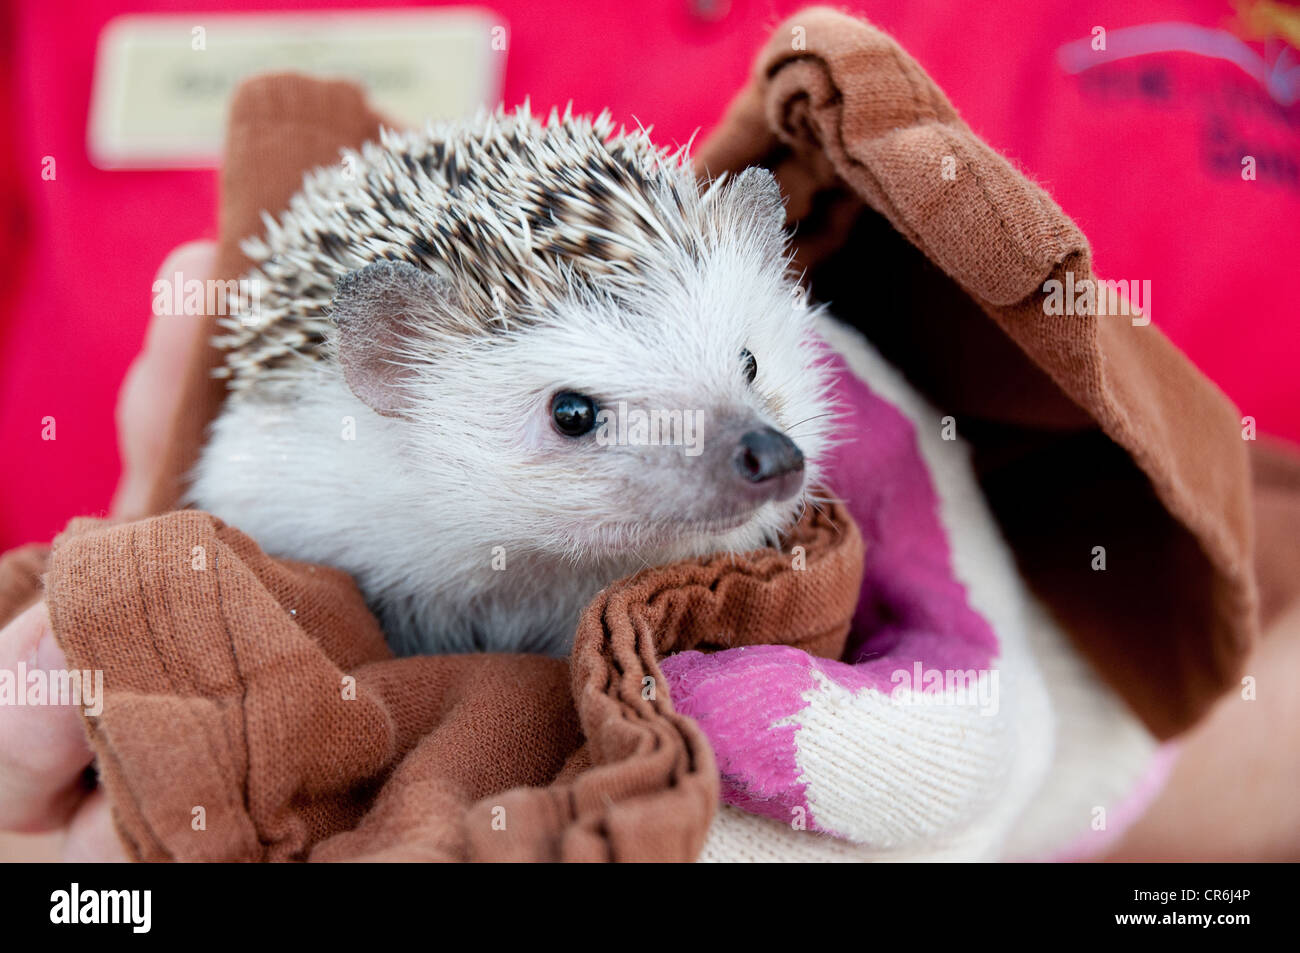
(578,258)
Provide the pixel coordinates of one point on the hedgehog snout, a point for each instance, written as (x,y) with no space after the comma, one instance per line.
(769,465)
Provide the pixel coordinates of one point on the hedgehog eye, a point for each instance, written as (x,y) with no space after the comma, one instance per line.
(749,365)
(574,414)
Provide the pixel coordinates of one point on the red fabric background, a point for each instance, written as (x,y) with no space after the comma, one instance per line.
(1144,154)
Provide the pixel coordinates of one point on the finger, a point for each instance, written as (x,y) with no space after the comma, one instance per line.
(43,747)
(170,335)
(152,388)
(92,836)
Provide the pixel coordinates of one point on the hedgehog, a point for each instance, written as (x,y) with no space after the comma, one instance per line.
(494,365)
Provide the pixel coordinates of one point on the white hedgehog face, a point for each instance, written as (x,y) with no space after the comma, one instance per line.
(686,415)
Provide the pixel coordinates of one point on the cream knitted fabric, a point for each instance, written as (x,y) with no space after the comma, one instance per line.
(942,780)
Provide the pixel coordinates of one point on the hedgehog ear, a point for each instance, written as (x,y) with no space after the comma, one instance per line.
(757,194)
(754,197)
(379,310)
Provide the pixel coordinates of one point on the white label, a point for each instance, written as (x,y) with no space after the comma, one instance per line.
(163,83)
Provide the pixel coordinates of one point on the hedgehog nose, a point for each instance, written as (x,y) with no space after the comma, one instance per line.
(770,460)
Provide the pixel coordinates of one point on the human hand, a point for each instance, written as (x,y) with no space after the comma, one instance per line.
(45,785)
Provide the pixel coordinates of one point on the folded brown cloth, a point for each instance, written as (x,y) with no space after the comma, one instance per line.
(1087,430)
(253,711)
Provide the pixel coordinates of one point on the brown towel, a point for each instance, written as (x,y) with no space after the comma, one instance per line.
(252,710)
(1088,431)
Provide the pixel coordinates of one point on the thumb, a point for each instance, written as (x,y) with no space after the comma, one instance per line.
(154,384)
